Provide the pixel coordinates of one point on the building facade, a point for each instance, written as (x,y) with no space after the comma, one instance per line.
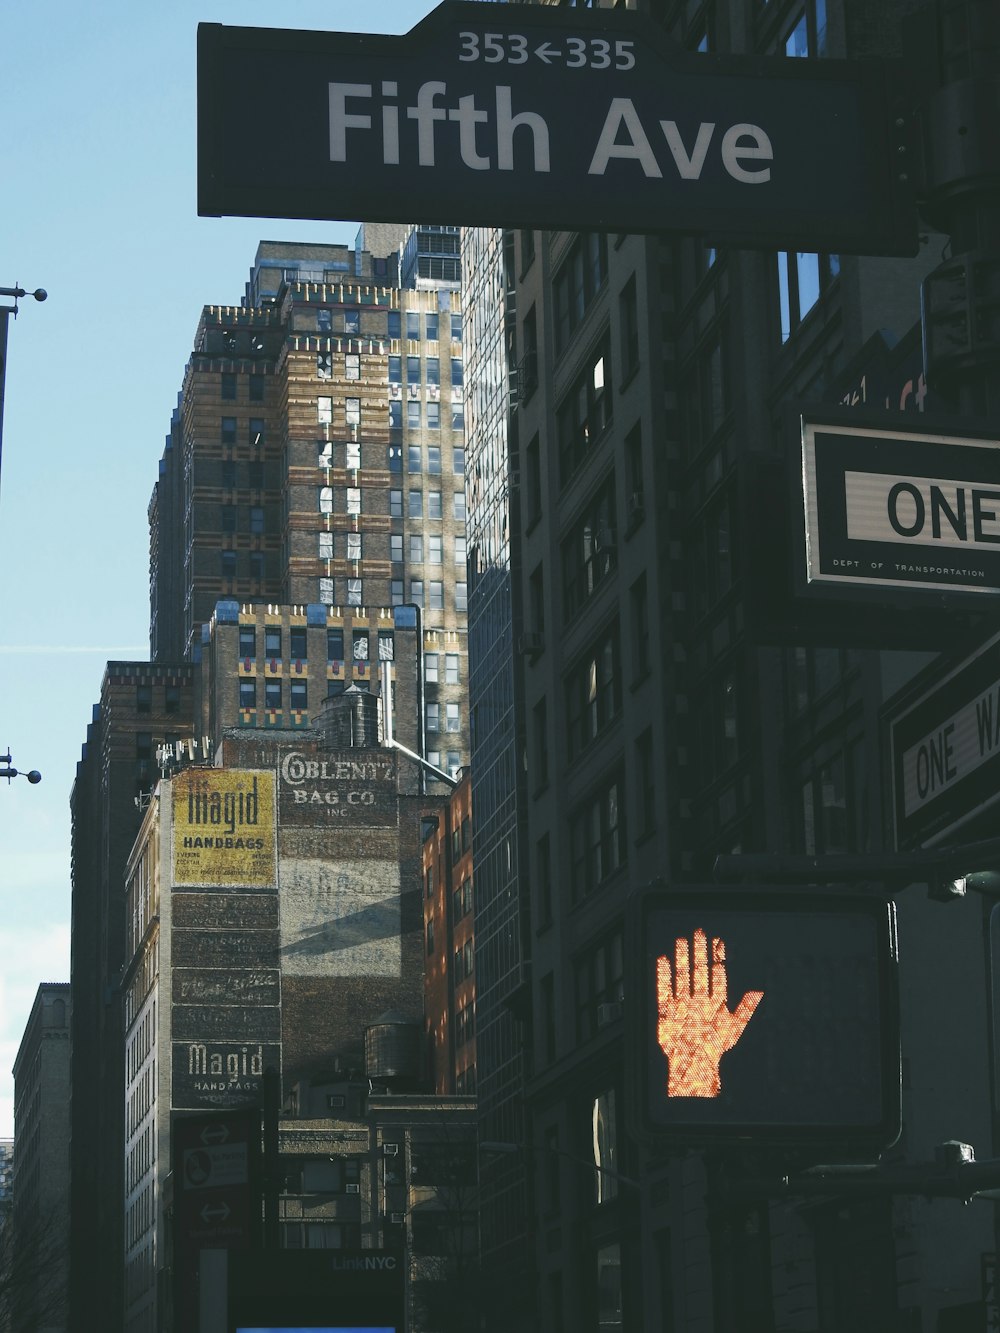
(36,1250)
(657,725)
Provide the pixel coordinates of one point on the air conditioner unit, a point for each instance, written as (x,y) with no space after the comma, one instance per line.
(609,1013)
(390,1149)
(352,1189)
(398,1219)
(531,643)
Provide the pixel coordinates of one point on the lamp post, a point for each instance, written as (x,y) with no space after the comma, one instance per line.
(5,312)
(8,772)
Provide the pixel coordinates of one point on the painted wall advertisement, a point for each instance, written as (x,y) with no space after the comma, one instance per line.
(224,830)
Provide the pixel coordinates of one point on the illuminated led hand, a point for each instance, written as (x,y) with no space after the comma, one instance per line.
(695,1028)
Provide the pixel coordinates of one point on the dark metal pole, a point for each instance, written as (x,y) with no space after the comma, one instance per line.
(270,1107)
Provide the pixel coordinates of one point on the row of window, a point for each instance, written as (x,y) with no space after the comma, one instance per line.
(428,325)
(432,717)
(336,643)
(419,458)
(256,430)
(352,593)
(229,384)
(414,503)
(432,668)
(431,370)
(298,693)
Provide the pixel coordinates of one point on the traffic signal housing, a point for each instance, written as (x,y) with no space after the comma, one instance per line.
(763,1016)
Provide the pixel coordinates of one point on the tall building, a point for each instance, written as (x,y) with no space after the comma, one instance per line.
(317,456)
(36,1267)
(647,725)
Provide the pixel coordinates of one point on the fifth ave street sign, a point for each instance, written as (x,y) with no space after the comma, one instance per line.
(533,116)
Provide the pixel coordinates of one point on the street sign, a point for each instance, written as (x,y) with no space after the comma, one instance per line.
(535,116)
(914,507)
(944,747)
(763,1016)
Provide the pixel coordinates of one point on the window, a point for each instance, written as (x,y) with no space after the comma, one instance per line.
(416,509)
(324,411)
(435,550)
(228,473)
(432,716)
(645,804)
(604,1140)
(326,499)
(393,324)
(324,454)
(324,365)
(359,645)
(335,644)
(639,611)
(413,325)
(352,366)
(352,411)
(456,330)
(257,565)
(433,453)
(802,278)
(577,283)
(354,545)
(354,499)
(413,370)
(436,588)
(413,416)
(395,547)
(461,597)
(711,562)
(540,743)
(386,645)
(597,838)
(352,321)
(228,564)
(431,676)
(430,935)
(434,420)
(248,642)
(417,592)
(325,546)
(144,698)
(457,372)
(414,460)
(298,700)
(272,641)
(395,504)
(326,591)
(431,327)
(395,370)
(248,694)
(416,548)
(585,413)
(457,414)
(452,722)
(432,371)
(433,504)
(458,506)
(593,693)
(228,387)
(255,475)
(628,317)
(256,519)
(458,461)
(395,414)
(460,552)
(228,518)
(451,668)
(589,552)
(324,321)
(297,643)
(599,979)
(396,593)
(272,695)
(527,247)
(227,430)
(394,456)
(807,36)
(354,595)
(256,388)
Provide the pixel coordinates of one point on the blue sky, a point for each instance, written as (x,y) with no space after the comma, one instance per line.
(97,182)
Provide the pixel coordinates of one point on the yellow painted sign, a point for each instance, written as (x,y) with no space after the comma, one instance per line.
(224,827)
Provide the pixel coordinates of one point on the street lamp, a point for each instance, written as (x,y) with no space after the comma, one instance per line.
(6,771)
(5,312)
